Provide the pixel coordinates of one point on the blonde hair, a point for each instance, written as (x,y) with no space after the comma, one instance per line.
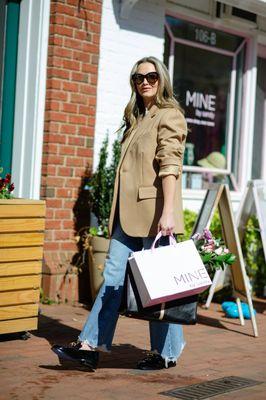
(164,96)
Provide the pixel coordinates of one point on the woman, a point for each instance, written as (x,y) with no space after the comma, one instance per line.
(147,199)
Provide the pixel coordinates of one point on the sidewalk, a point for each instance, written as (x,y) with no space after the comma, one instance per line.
(216,347)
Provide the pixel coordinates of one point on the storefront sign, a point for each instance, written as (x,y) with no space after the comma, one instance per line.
(203,108)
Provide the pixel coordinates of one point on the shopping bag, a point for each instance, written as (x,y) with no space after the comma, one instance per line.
(169,272)
(181,311)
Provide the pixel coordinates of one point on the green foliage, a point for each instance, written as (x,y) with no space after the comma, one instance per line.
(254,256)
(44,299)
(101,187)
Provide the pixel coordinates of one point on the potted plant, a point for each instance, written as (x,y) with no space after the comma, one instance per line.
(101,188)
(21,251)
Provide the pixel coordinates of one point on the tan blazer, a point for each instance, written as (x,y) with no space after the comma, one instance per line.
(153,149)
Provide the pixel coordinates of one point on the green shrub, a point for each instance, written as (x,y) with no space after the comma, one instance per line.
(101,187)
(254,256)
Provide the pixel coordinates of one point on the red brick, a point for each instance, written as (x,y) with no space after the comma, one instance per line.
(73,22)
(68,246)
(56,116)
(86,110)
(63,214)
(81,56)
(54,61)
(65,171)
(50,148)
(52,83)
(86,131)
(71,65)
(74,162)
(52,105)
(62,52)
(83,152)
(83,35)
(78,119)
(65,9)
(57,95)
(69,150)
(69,203)
(70,86)
(73,43)
(80,77)
(55,181)
(77,141)
(51,246)
(87,89)
(68,224)
(68,129)
(58,73)
(62,235)
(51,170)
(57,138)
(54,203)
(87,67)
(69,108)
(64,192)
(57,19)
(73,182)
(63,30)
(55,160)
(55,40)
(52,224)
(90,47)
(78,98)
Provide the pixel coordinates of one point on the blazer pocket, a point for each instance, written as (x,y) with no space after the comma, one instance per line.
(149,192)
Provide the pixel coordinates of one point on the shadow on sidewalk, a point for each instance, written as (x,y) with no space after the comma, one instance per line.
(124,356)
(216,323)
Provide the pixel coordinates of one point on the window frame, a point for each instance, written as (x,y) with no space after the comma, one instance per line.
(237,183)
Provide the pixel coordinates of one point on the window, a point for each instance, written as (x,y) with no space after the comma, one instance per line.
(206,67)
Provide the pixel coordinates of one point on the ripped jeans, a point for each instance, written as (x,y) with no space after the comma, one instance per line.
(98,331)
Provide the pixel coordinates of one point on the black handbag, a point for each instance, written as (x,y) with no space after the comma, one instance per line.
(181,311)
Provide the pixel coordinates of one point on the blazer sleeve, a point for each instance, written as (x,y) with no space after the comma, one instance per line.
(172,132)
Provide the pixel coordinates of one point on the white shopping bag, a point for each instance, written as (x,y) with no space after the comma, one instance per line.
(168,272)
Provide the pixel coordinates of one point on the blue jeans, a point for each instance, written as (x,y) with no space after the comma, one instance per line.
(98,331)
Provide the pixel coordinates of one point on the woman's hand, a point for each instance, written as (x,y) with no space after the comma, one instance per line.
(166,223)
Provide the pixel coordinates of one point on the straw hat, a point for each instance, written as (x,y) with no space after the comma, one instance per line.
(213,160)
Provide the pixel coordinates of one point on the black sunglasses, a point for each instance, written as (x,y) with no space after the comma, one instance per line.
(151,77)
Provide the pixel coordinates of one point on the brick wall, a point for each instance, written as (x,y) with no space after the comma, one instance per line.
(72,71)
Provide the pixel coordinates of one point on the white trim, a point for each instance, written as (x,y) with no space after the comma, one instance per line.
(249,99)
(30,97)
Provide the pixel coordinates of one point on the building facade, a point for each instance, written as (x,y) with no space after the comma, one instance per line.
(64,84)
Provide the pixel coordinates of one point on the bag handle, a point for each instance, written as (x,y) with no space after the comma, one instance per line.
(172,240)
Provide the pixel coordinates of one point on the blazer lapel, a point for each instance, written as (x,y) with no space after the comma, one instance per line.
(138,131)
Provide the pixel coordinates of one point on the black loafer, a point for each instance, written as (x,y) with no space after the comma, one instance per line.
(154,361)
(84,358)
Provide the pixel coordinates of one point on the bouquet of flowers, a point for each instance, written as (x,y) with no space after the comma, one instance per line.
(213,251)
(6,187)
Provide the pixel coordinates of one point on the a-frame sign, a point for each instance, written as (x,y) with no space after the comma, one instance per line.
(219,197)
(254,202)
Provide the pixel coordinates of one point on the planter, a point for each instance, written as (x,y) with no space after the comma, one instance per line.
(21,252)
(97,252)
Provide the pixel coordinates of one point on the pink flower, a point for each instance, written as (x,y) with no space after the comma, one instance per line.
(207,234)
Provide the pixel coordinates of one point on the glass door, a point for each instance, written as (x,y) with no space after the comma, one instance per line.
(205,67)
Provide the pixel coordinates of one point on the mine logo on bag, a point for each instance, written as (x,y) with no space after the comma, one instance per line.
(190,277)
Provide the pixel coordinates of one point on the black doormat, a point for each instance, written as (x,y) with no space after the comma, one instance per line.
(212,388)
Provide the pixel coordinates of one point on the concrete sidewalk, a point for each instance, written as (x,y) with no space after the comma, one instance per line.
(216,347)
